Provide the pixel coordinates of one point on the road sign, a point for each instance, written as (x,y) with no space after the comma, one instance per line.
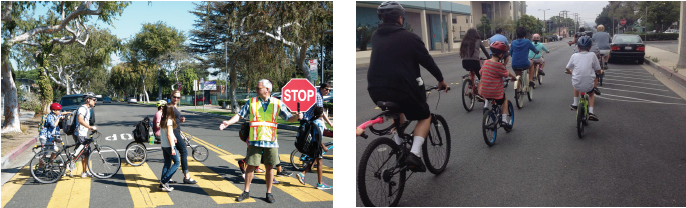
(313,64)
(623,22)
(209,85)
(179,87)
(195,85)
(299,95)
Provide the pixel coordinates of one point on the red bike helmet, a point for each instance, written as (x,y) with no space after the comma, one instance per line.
(55,106)
(498,47)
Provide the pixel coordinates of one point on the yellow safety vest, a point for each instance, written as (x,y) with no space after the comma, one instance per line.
(263,122)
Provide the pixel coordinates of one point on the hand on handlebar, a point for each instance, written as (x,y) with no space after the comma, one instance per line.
(442,85)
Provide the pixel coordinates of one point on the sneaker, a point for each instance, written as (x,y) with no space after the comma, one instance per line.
(86,174)
(323,186)
(189,181)
(241,164)
(532,84)
(592,117)
(540,71)
(172,181)
(243,176)
(274,181)
(415,163)
(284,174)
(243,196)
(596,91)
(165,187)
(479,98)
(258,170)
(573,107)
(270,198)
(505,125)
(301,178)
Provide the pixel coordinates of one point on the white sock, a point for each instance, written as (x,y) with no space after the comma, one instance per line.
(505,118)
(487,104)
(416,145)
(576,100)
(396,138)
(590,109)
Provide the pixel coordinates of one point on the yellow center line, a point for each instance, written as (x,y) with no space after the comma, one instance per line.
(72,192)
(290,185)
(220,190)
(208,145)
(326,171)
(143,186)
(12,186)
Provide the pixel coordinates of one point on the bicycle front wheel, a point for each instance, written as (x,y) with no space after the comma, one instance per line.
(46,171)
(380,180)
(200,153)
(436,148)
(104,162)
(510,111)
(580,111)
(490,127)
(136,154)
(467,96)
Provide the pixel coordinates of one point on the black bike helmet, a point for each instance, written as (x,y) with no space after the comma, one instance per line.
(390,10)
(584,42)
(582,29)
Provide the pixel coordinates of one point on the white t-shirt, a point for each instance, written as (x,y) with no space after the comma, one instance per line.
(583,66)
(86,112)
(163,133)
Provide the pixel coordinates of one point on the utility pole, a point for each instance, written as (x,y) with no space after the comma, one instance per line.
(576,17)
(565,21)
(440,16)
(544,20)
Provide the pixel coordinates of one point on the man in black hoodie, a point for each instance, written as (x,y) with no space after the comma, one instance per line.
(393,74)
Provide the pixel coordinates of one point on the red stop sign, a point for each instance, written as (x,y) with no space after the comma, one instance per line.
(299,91)
(623,22)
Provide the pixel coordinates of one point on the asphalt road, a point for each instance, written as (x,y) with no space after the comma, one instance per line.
(633,156)
(219,178)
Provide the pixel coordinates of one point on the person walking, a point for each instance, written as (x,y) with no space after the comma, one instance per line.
(157,119)
(317,135)
(168,140)
(262,139)
(80,136)
(180,144)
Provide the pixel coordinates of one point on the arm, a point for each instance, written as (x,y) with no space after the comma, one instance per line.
(227,123)
(295,118)
(424,58)
(481,45)
(326,119)
(545,49)
(171,139)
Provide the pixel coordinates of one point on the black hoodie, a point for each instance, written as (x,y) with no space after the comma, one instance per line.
(396,56)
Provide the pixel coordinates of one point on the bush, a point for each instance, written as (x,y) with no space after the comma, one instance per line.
(242,102)
(329,107)
(30,102)
(221,102)
(659,36)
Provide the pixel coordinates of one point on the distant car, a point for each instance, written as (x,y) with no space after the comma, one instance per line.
(277,95)
(132,100)
(627,46)
(552,38)
(71,102)
(672,31)
(107,100)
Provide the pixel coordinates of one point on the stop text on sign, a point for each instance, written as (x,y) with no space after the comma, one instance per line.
(298,95)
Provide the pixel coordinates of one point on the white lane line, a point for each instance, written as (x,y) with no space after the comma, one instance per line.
(620,80)
(635,101)
(639,100)
(632,76)
(648,88)
(605,88)
(622,77)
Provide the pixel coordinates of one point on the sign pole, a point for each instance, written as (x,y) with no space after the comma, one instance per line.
(298,107)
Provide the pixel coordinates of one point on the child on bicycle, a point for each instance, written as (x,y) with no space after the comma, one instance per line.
(317,136)
(520,51)
(50,131)
(492,74)
(469,52)
(538,58)
(583,67)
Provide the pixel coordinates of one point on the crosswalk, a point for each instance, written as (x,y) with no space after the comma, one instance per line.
(142,184)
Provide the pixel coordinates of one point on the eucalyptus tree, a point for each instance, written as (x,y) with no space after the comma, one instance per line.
(15,31)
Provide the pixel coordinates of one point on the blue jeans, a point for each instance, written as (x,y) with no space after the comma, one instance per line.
(168,172)
(181,148)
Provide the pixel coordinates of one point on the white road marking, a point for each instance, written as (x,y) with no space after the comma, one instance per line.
(631,75)
(620,80)
(635,86)
(638,99)
(622,77)
(605,88)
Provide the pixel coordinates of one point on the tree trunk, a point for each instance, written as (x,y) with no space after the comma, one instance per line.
(159,85)
(301,62)
(147,99)
(232,93)
(11,123)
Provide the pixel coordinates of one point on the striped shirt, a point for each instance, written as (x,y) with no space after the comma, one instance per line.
(492,74)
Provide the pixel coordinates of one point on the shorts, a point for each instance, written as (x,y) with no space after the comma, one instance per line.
(586,89)
(471,65)
(81,139)
(413,109)
(44,141)
(499,101)
(257,154)
(538,60)
(605,52)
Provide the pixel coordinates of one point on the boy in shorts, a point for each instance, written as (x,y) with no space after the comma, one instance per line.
(492,74)
(583,67)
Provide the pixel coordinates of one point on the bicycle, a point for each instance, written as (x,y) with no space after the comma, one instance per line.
(49,170)
(603,66)
(522,89)
(582,114)
(493,117)
(136,153)
(200,153)
(387,175)
(299,162)
(537,76)
(470,89)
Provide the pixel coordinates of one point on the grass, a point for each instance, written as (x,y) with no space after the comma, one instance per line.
(151,103)
(279,120)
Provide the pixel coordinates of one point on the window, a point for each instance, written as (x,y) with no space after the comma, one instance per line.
(467,18)
(454,20)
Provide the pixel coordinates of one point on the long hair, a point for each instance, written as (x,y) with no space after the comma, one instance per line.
(168,113)
(469,43)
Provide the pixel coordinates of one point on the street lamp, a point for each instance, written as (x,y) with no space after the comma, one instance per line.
(547,29)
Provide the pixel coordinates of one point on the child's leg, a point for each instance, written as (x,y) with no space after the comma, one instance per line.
(576,97)
(319,170)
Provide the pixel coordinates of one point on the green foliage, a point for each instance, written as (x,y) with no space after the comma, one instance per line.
(484,27)
(364,35)
(45,89)
(241,102)
(660,13)
(329,107)
(30,102)
(655,60)
(187,81)
(530,24)
(658,36)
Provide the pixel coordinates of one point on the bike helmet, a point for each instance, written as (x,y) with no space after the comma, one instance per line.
(537,37)
(161,103)
(601,28)
(498,47)
(390,10)
(582,29)
(88,96)
(55,106)
(584,42)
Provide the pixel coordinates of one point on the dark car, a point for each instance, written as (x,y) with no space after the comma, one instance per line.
(552,38)
(71,102)
(107,100)
(627,46)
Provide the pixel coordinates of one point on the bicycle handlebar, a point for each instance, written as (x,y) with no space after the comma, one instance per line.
(434,88)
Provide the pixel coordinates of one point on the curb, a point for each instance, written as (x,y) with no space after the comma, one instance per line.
(17,151)
(678,78)
(287,127)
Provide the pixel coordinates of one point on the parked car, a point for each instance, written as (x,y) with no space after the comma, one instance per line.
(552,38)
(132,100)
(327,98)
(201,100)
(627,46)
(277,95)
(71,102)
(672,31)
(107,100)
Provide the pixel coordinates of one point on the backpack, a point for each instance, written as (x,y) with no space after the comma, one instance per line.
(41,125)
(303,140)
(142,130)
(244,132)
(70,126)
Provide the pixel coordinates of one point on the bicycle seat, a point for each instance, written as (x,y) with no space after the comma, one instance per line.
(388,106)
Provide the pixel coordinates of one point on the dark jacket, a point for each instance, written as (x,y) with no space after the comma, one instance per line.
(520,53)
(396,56)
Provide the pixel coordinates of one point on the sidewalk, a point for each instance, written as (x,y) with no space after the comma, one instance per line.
(666,62)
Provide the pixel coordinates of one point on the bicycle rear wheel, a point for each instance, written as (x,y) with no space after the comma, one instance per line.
(518,94)
(600,78)
(490,127)
(136,154)
(510,111)
(468,98)
(299,160)
(438,144)
(379,179)
(580,120)
(200,153)
(540,78)
(104,162)
(49,172)
(530,93)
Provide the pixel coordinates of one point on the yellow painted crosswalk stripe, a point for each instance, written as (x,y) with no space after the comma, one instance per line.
(208,145)
(326,171)
(143,186)
(290,185)
(72,192)
(220,190)
(10,188)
